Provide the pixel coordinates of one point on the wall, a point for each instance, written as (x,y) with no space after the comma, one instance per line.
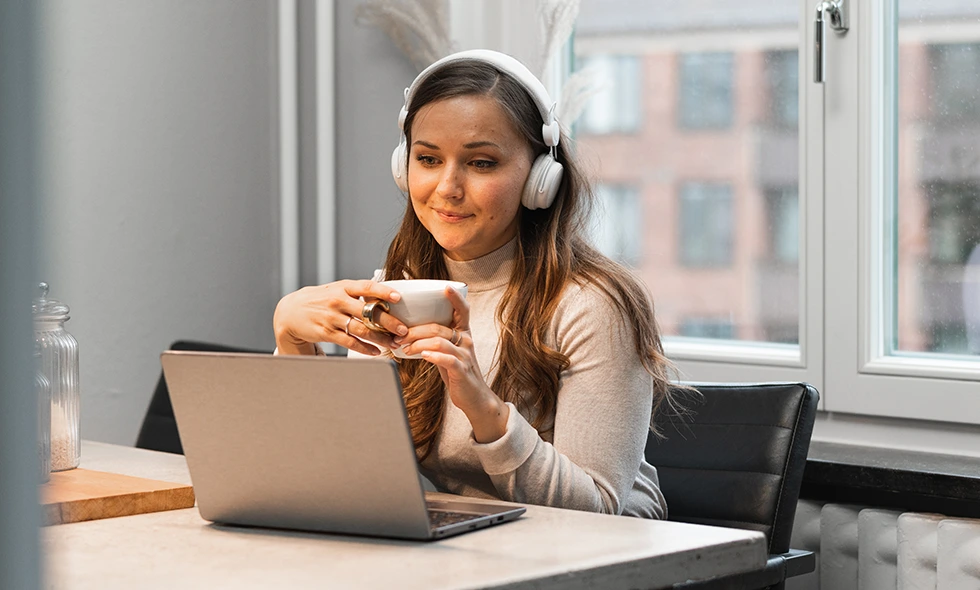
(160,206)
(19,513)
(371,74)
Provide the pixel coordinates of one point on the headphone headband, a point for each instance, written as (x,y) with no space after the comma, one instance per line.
(539,94)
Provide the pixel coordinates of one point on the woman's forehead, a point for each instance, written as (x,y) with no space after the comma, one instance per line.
(467,116)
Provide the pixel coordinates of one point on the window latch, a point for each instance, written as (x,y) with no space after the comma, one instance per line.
(833,12)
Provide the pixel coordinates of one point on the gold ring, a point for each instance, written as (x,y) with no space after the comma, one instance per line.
(347,325)
(457,337)
(367,314)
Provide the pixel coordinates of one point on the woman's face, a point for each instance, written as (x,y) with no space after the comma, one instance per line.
(466,169)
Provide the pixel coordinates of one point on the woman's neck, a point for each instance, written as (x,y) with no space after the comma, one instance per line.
(487,272)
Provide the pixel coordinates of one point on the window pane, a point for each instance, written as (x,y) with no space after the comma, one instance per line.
(937,179)
(705,100)
(616,106)
(618,223)
(708,148)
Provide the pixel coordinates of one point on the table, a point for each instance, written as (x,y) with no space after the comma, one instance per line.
(546,548)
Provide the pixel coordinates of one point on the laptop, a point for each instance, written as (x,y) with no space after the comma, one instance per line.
(308,443)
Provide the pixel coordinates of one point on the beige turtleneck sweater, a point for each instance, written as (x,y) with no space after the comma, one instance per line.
(593,458)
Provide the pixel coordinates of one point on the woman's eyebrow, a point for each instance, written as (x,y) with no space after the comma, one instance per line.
(479,144)
(431,146)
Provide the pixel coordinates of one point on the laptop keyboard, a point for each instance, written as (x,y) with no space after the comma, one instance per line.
(438,518)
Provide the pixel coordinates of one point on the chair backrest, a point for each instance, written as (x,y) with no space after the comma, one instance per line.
(159,429)
(737,460)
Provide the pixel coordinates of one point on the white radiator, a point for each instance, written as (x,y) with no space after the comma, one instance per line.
(867,548)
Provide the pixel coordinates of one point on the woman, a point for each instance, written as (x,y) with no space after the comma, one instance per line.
(543,389)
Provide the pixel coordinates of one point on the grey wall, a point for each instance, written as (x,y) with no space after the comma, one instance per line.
(371,74)
(160,208)
(19,512)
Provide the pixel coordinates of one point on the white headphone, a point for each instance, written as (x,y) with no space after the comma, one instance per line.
(546,172)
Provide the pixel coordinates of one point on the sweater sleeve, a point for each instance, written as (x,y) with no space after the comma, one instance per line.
(601,420)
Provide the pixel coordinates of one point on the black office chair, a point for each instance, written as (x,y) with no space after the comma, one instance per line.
(737,461)
(159,430)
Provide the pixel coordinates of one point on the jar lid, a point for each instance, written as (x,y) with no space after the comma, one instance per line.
(48,309)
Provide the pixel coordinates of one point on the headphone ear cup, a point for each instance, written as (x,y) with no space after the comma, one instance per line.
(399,166)
(542,183)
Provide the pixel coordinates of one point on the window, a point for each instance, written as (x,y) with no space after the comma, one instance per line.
(616,106)
(782,69)
(618,227)
(783,213)
(833,232)
(712,244)
(706,225)
(706,90)
(955,91)
(721,329)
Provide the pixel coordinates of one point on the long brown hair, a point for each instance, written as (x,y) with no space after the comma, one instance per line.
(552,252)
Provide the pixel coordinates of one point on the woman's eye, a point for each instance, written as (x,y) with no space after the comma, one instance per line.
(484,163)
(426,160)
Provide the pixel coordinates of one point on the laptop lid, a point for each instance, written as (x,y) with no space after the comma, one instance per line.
(298,442)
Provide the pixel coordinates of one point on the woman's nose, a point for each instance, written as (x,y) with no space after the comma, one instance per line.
(451,182)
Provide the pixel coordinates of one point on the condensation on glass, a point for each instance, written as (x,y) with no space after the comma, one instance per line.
(693,136)
(59,365)
(935,199)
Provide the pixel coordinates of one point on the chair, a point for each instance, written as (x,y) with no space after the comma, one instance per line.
(737,461)
(159,430)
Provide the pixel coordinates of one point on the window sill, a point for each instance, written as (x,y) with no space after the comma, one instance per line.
(898,434)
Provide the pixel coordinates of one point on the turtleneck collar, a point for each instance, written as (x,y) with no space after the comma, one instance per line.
(487,272)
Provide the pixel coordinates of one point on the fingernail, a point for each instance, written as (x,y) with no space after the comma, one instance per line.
(398,340)
(395,296)
(402,330)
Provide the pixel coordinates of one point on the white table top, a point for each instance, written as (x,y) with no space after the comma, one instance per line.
(546,548)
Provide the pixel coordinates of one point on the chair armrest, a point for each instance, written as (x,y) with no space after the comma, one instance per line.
(798,562)
(780,566)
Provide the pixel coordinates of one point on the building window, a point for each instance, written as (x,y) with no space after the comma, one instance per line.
(783,212)
(956,83)
(782,72)
(617,223)
(954,221)
(721,329)
(706,225)
(617,105)
(706,95)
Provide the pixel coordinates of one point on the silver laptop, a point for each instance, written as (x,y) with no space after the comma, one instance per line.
(309,443)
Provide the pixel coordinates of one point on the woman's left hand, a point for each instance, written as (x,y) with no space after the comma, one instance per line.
(451,350)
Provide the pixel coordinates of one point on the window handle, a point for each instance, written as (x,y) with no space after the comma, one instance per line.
(834,11)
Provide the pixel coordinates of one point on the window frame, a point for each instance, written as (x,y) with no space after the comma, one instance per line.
(879,383)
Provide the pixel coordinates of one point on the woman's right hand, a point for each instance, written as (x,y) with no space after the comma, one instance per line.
(332,313)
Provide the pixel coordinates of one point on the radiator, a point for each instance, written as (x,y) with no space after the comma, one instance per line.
(868,548)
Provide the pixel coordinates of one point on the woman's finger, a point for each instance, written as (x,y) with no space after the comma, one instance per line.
(461,309)
(445,362)
(360,332)
(372,290)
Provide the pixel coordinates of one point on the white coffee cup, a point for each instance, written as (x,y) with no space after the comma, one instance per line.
(424,301)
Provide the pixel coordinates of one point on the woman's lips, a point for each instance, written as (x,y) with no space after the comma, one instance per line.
(451,217)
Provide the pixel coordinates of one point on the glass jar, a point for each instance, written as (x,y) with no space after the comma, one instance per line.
(42,391)
(59,364)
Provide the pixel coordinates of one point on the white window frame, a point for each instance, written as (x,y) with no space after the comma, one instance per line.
(862,377)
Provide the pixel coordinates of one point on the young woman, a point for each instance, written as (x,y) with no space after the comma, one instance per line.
(542,391)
